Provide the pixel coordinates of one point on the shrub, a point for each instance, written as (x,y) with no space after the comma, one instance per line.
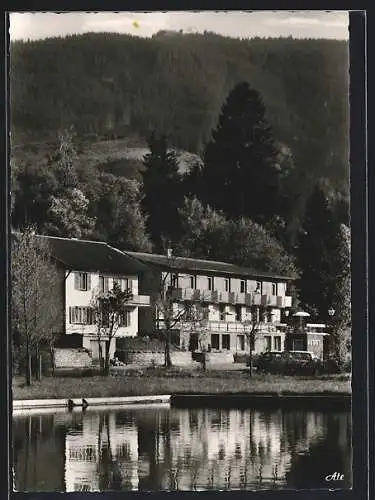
(240,357)
(141,344)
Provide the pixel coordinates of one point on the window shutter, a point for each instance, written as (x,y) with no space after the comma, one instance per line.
(88,281)
(76,281)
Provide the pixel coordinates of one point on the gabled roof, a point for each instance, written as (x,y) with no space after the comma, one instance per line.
(90,256)
(163,262)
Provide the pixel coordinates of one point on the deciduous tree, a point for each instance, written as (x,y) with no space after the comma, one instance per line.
(108,310)
(119,218)
(36,307)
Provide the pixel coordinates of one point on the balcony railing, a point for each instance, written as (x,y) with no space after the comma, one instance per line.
(309,328)
(229,327)
(257,299)
(215,296)
(240,298)
(224,297)
(139,300)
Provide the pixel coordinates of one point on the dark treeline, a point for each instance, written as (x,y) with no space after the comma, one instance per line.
(115,85)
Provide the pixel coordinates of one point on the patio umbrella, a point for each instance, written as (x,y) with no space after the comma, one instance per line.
(300,315)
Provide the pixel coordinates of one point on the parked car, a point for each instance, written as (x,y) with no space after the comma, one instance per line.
(289,362)
(302,362)
(271,362)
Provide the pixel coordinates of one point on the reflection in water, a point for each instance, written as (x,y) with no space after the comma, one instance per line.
(180,449)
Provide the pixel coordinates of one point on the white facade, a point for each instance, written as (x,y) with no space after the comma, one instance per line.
(231,305)
(76,297)
(81,288)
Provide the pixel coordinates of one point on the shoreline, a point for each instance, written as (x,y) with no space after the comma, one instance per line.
(187,400)
(153,383)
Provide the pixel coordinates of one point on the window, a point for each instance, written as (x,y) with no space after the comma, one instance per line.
(82,281)
(314,342)
(103,284)
(210,283)
(83,454)
(222,312)
(117,281)
(277,343)
(274,288)
(267,342)
(174,281)
(215,341)
(80,315)
(241,342)
(238,313)
(225,341)
(243,286)
(227,284)
(258,288)
(192,282)
(125,319)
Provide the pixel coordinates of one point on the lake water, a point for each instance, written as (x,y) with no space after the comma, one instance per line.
(162,448)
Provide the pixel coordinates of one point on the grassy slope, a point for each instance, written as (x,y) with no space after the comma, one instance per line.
(156,381)
(122,157)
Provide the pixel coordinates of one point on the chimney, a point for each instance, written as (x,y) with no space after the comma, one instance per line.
(169,253)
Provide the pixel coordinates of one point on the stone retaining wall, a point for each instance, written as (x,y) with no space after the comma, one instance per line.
(143,359)
(178,358)
(72,358)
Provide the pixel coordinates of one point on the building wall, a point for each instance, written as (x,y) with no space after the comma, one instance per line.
(315,344)
(80,298)
(227,325)
(149,284)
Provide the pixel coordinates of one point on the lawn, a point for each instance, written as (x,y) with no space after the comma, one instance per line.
(159,381)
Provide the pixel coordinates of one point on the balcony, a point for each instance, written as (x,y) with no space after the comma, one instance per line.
(288,301)
(247,299)
(240,298)
(284,301)
(264,300)
(239,327)
(209,296)
(139,301)
(257,299)
(224,297)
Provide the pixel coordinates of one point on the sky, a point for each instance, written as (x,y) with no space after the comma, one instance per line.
(298,24)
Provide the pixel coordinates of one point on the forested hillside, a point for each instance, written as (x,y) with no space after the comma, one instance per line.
(110,85)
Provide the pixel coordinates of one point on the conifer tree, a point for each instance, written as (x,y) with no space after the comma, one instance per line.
(323,257)
(162,191)
(239,175)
